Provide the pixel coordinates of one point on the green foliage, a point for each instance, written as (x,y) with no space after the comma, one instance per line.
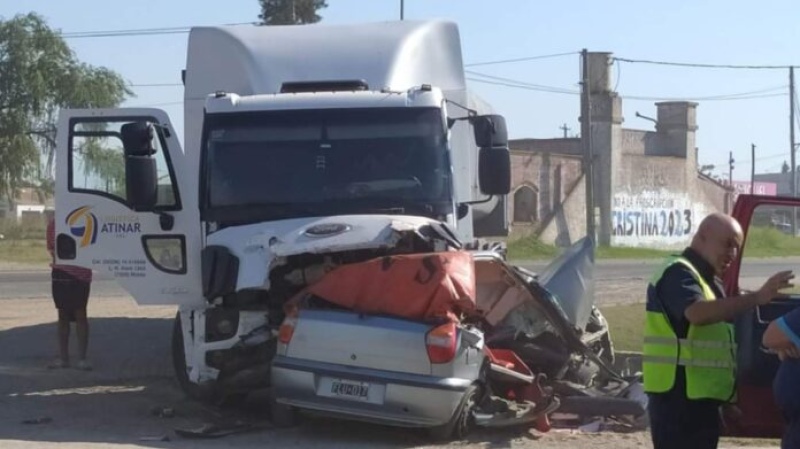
(39,74)
(290,12)
(626,325)
(531,248)
(764,241)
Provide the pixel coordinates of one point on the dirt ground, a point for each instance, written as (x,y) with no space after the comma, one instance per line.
(112,406)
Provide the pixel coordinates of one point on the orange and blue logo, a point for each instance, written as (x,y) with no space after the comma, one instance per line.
(83,225)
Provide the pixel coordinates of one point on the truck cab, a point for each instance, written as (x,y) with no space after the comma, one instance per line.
(305,147)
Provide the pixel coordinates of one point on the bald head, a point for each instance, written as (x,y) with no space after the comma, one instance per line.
(718,239)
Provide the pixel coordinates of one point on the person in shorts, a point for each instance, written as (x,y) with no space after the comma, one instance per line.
(70,286)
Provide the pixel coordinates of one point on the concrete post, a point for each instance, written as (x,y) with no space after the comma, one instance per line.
(606,113)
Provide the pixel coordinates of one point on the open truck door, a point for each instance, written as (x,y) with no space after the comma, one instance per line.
(126,203)
(762,218)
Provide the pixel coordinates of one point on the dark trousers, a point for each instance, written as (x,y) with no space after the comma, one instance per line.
(791,435)
(679,423)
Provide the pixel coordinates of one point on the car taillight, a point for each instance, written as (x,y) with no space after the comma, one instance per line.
(441,343)
(286,330)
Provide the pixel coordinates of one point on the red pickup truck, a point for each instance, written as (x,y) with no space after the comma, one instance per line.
(756,366)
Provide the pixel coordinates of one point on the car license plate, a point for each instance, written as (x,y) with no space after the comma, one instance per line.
(349,389)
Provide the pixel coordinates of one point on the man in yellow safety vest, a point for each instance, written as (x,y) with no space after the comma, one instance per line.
(689,357)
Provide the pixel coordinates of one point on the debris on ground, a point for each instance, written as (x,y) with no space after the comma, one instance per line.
(163,412)
(155,438)
(215,430)
(42,420)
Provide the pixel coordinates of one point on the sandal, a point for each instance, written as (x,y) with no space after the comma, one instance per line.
(58,364)
(83,365)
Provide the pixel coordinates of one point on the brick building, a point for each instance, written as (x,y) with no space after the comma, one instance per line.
(648,189)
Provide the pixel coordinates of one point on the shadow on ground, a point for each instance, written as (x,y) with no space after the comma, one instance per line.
(132,376)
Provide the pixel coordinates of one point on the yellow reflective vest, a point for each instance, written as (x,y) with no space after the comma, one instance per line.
(708,353)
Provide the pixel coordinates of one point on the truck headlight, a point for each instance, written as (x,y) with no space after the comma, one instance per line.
(221,324)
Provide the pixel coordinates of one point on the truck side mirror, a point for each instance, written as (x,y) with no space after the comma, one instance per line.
(141,181)
(494,160)
(490,131)
(494,171)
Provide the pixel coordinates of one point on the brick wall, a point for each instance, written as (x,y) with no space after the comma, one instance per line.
(550,176)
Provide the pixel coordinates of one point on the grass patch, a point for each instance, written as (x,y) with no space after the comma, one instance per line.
(620,252)
(24,251)
(761,242)
(530,248)
(626,324)
(770,242)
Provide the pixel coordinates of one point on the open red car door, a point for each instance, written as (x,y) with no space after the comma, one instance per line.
(762,218)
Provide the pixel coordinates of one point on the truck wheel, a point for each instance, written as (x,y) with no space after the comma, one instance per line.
(462,421)
(192,390)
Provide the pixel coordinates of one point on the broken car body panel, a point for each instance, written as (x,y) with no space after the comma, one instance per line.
(569,278)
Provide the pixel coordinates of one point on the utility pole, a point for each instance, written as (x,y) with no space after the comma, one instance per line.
(752,168)
(402,8)
(564,128)
(792,146)
(586,141)
(730,179)
(730,169)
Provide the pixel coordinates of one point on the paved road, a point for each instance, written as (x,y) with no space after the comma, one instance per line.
(34,283)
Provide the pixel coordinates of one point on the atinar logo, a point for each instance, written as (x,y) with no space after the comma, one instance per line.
(83,225)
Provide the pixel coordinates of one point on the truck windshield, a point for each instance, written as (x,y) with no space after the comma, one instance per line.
(284,164)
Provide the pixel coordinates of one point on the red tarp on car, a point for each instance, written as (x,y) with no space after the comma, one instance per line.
(415,286)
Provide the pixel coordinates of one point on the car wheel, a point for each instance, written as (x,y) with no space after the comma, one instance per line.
(462,421)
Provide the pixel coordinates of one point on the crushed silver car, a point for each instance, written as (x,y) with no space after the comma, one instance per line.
(448,341)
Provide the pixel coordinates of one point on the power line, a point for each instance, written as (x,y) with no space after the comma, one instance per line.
(782,87)
(720,98)
(186,29)
(701,65)
(523,83)
(155,85)
(523,59)
(154,105)
(134,32)
(762,158)
(508,82)
(519,86)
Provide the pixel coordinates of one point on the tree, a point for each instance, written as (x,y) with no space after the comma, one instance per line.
(290,12)
(785,167)
(39,74)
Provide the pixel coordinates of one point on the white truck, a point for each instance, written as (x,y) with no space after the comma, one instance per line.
(305,147)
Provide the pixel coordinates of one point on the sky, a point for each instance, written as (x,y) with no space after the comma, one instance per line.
(737,107)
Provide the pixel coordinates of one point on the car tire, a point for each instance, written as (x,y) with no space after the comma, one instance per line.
(462,420)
